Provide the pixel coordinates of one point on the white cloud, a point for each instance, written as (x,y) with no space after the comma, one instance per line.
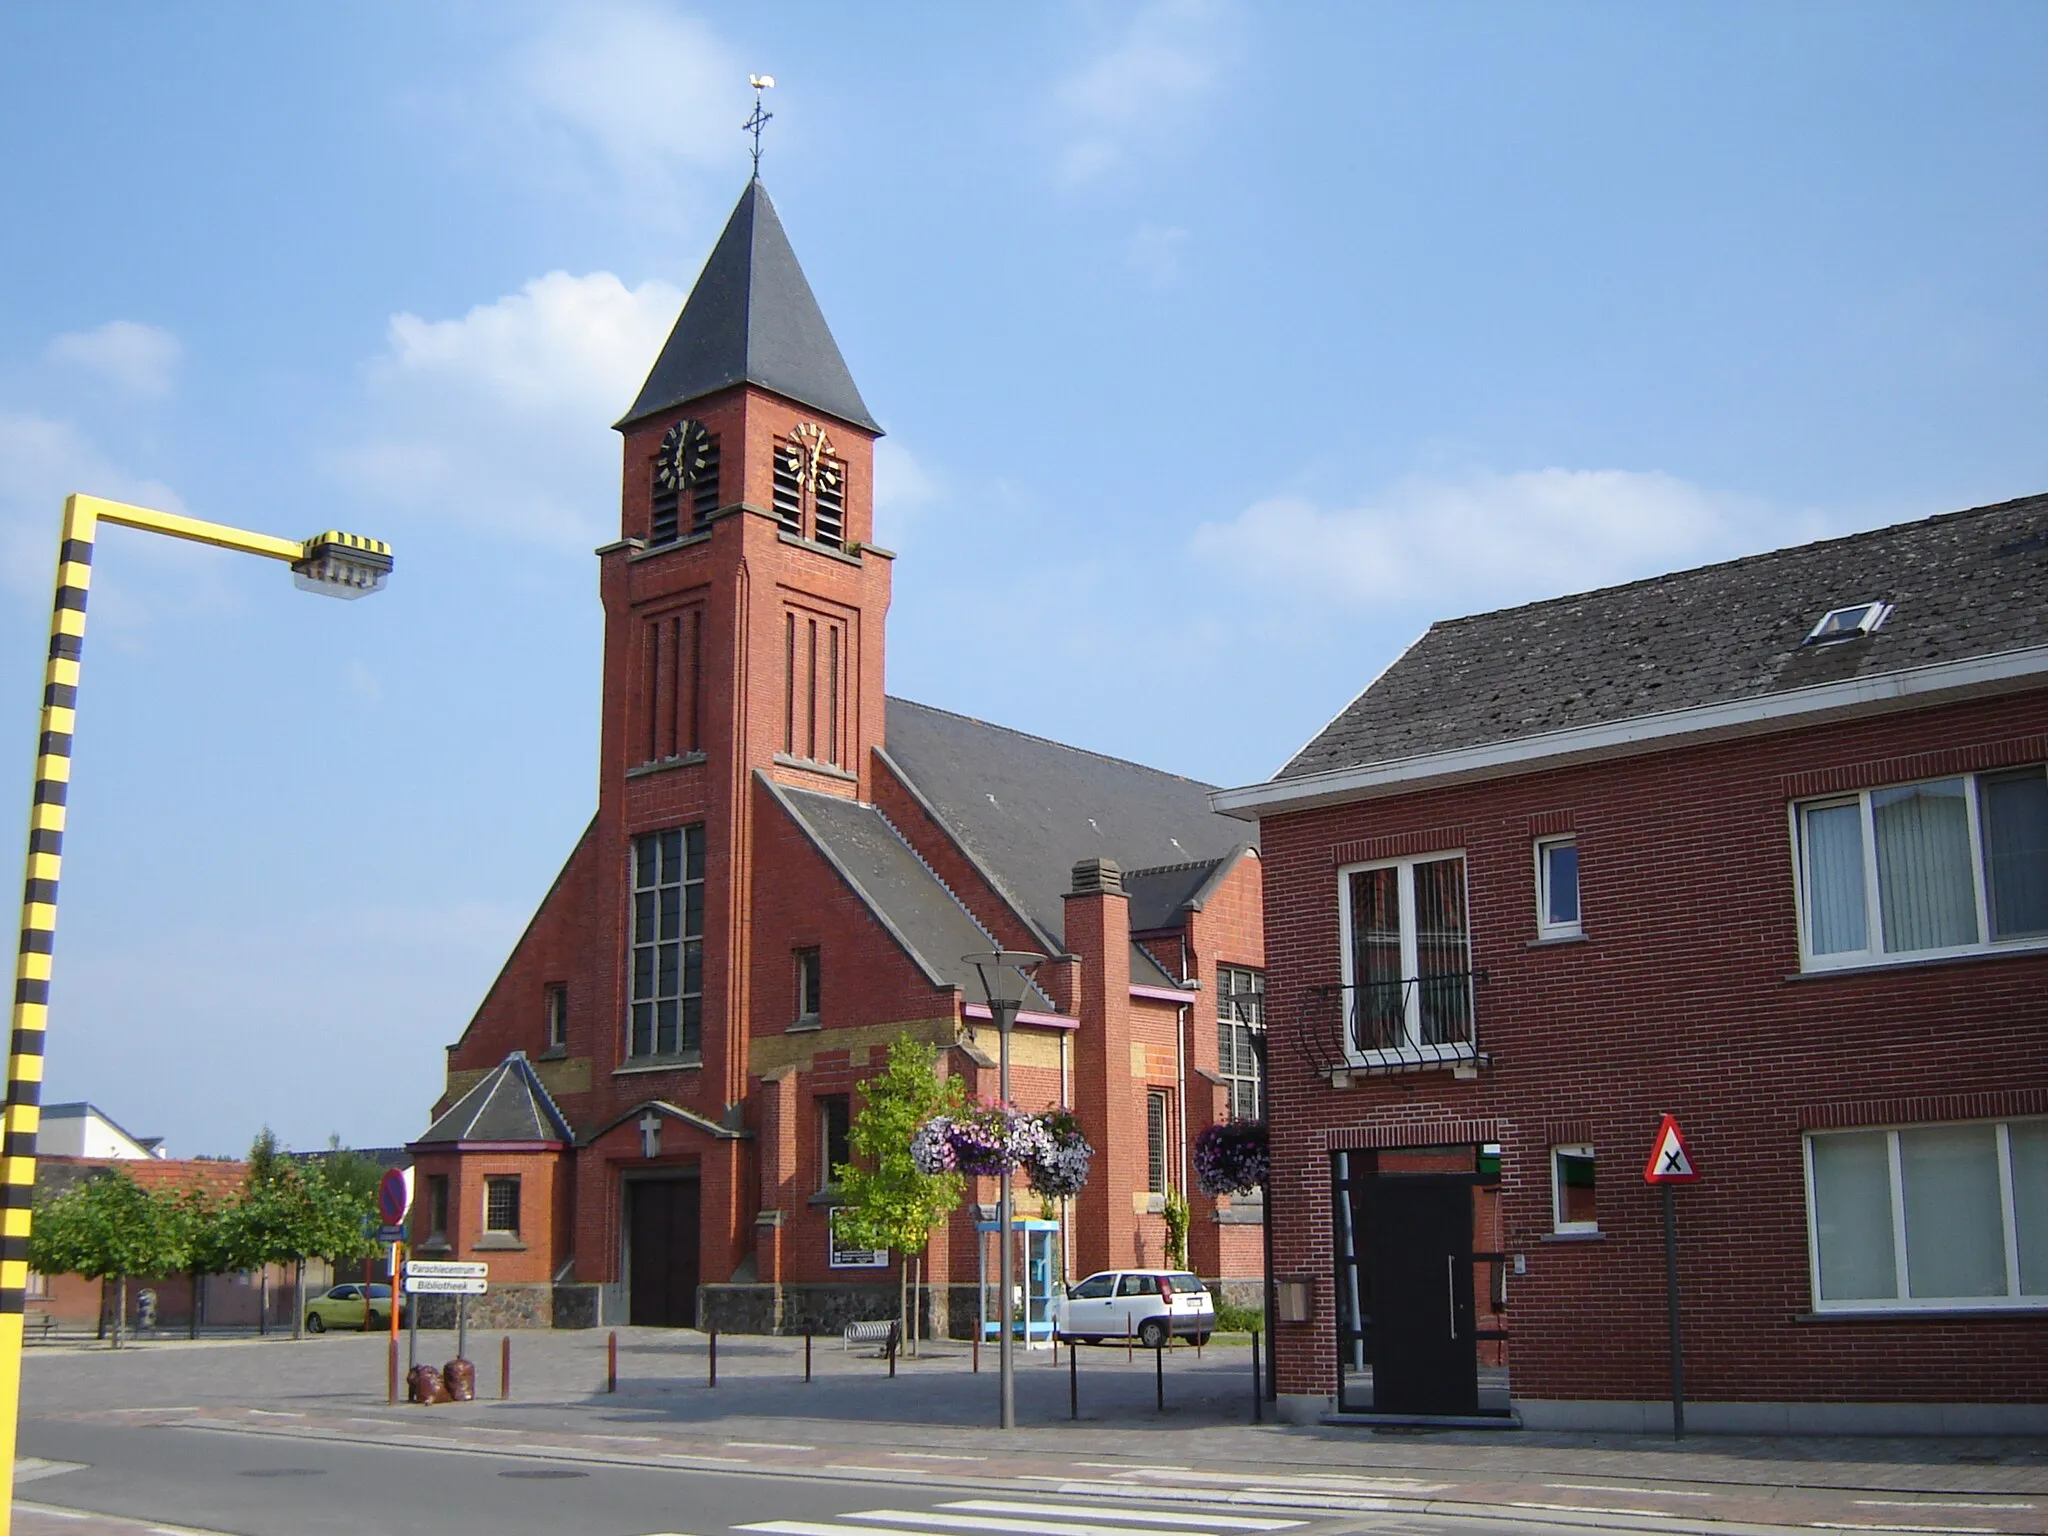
(643,87)
(1166,58)
(135,357)
(904,487)
(502,418)
(1457,545)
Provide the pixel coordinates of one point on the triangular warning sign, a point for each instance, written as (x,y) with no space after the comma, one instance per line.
(1670,1161)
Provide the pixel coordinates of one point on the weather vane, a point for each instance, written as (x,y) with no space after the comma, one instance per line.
(759,120)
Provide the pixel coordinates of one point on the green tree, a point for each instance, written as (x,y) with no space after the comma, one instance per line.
(290,1212)
(109,1227)
(211,1239)
(886,1201)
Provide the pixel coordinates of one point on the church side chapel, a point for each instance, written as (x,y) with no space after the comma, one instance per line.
(784,872)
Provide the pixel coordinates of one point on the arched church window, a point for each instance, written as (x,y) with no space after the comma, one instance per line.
(685,474)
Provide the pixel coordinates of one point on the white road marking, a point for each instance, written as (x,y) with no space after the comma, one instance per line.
(1585,1509)
(1917,1530)
(931,1456)
(1135,1517)
(944,1521)
(768,1445)
(1126,1466)
(1935,1504)
(1670,1493)
(1331,1482)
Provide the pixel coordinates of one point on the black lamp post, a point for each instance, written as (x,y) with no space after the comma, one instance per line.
(1005,975)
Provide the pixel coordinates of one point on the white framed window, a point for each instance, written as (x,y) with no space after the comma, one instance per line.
(501,1205)
(810,984)
(1240,1020)
(668,943)
(1929,1216)
(558,1015)
(1557,888)
(1407,958)
(1946,867)
(1572,1192)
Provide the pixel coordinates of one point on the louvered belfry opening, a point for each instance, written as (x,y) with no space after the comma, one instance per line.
(704,499)
(828,499)
(789,487)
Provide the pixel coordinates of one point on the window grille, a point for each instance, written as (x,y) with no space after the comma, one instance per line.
(1155,1140)
(501,1205)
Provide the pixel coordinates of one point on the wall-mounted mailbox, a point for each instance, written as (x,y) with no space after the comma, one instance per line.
(1295,1300)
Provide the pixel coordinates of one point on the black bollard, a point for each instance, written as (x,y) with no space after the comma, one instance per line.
(1258,1383)
(713,1358)
(1073,1382)
(807,1357)
(1159,1374)
(611,1368)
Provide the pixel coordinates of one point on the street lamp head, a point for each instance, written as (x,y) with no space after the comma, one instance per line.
(1005,975)
(344,565)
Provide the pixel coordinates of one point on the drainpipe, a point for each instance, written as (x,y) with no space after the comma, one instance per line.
(1066,1211)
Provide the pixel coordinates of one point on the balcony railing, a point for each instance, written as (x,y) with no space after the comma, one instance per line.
(1411,1023)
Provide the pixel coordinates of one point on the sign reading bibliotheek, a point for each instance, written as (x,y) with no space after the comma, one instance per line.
(446,1277)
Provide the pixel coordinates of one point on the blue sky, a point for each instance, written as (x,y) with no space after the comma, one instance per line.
(1221,347)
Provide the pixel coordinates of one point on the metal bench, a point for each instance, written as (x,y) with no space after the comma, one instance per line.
(880,1334)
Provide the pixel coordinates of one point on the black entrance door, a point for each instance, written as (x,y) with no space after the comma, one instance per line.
(1418,1257)
(661,1247)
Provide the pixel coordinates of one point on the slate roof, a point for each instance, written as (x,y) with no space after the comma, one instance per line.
(1964,584)
(898,887)
(752,319)
(508,1104)
(1029,809)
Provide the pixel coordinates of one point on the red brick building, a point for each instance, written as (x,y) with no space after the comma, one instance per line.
(784,872)
(1762,845)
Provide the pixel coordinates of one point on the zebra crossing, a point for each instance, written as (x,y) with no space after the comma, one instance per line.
(1016,1517)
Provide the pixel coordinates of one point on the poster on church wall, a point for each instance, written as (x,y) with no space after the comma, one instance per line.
(844,1257)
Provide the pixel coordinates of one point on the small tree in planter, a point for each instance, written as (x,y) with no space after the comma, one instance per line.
(888,1198)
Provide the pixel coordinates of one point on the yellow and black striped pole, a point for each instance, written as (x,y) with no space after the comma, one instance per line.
(341,561)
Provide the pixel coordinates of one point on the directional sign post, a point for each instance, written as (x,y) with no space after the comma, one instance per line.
(1670,1165)
(463,1278)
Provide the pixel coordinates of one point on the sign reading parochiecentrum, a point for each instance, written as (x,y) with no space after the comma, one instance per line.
(446,1277)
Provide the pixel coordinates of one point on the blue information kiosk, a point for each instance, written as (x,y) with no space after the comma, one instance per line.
(1038,1268)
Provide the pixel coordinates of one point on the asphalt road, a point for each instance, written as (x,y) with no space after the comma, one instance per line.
(265,1486)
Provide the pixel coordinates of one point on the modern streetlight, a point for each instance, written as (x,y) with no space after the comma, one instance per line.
(336,564)
(1005,975)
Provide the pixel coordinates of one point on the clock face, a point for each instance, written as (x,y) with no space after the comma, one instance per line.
(685,453)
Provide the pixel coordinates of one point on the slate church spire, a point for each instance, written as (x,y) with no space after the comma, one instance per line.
(752,319)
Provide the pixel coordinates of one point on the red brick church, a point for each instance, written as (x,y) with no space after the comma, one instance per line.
(783,874)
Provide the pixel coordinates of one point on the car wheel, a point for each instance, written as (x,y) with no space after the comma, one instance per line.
(1152,1332)
(313,1323)
(376,1322)
(1201,1338)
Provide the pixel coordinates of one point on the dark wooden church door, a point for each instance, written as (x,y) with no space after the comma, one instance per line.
(661,1248)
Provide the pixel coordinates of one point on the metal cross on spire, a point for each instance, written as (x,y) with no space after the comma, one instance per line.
(759,120)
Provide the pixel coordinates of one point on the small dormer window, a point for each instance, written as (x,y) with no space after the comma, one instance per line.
(1848,623)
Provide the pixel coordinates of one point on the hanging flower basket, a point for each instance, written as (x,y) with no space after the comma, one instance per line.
(985,1139)
(1232,1158)
(989,1138)
(1060,1172)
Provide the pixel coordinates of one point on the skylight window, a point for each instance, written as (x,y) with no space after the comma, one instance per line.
(1849,623)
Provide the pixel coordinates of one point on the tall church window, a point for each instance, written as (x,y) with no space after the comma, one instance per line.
(685,475)
(814,698)
(669,723)
(666,1007)
(1241,1018)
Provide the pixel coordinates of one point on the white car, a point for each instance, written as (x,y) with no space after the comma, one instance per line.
(1154,1304)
